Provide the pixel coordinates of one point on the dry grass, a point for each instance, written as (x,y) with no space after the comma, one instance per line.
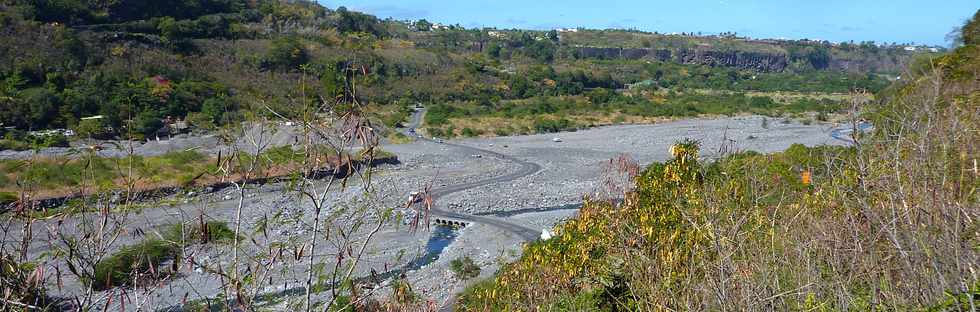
(500,126)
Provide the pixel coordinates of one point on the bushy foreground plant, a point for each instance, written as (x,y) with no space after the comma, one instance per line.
(464,268)
(751,231)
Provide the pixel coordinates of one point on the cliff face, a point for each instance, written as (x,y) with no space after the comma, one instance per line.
(764,62)
(759,61)
(868,64)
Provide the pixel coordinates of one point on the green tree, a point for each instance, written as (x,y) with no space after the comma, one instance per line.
(971,31)
(332,80)
(42,107)
(64,11)
(553,35)
(599,95)
(54,140)
(168,28)
(423,25)
(493,50)
(470,132)
(543,51)
(147,123)
(348,21)
(519,86)
(90,128)
(214,108)
(287,53)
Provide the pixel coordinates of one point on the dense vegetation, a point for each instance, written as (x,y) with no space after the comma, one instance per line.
(134,62)
(599,107)
(217,62)
(887,224)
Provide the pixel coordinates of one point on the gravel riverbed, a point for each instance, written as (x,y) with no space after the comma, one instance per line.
(570,169)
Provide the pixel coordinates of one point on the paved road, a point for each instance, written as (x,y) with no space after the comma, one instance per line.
(526,168)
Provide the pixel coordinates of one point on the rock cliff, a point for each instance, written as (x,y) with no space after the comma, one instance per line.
(764,62)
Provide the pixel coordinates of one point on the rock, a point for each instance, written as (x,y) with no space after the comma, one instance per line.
(766,62)
(545,234)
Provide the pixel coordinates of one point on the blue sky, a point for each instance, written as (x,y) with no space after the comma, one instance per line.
(900,21)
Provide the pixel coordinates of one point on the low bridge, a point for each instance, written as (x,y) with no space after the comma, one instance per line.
(450,222)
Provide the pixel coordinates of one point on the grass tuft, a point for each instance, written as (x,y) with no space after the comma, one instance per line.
(144,260)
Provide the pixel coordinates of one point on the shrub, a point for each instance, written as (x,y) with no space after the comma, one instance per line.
(7,198)
(91,128)
(402,292)
(138,261)
(822,116)
(18,285)
(469,132)
(394,120)
(464,268)
(119,268)
(542,125)
(14,145)
(213,231)
(287,53)
(201,120)
(435,132)
(399,138)
(35,141)
(439,114)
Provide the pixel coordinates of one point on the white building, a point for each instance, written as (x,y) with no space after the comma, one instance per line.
(438,26)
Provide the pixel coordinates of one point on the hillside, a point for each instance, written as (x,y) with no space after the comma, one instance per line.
(217,62)
(731,50)
(887,224)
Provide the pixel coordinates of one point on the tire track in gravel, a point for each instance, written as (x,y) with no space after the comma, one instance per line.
(526,168)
